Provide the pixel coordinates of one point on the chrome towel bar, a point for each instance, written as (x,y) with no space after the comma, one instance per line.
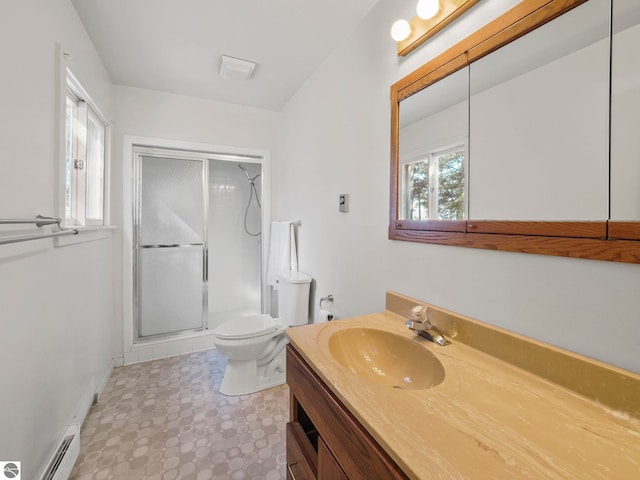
(39,221)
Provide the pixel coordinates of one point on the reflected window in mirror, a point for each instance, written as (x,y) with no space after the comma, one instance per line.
(433,187)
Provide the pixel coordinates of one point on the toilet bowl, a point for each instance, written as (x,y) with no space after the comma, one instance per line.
(255,345)
(250,344)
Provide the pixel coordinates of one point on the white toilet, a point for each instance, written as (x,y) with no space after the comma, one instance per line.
(255,345)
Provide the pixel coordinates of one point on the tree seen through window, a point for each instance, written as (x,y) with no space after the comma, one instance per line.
(434,187)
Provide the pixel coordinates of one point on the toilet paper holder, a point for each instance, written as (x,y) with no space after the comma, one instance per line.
(326,314)
(328,298)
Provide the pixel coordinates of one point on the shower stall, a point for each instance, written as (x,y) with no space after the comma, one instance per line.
(235,234)
(197,250)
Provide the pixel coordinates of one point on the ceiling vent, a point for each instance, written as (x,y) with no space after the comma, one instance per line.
(235,68)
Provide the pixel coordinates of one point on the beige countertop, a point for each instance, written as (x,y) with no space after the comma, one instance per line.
(486,420)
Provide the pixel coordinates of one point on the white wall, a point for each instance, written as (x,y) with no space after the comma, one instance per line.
(335,139)
(147,113)
(56,301)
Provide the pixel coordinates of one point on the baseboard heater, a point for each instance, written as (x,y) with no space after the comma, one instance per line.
(60,465)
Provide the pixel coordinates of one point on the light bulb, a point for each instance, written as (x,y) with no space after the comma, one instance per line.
(427,9)
(400,30)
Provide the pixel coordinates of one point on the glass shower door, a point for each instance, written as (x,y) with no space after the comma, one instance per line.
(170,245)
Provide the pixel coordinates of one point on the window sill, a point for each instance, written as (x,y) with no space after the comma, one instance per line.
(85,234)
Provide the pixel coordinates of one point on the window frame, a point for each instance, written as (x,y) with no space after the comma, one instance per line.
(91,172)
(87,111)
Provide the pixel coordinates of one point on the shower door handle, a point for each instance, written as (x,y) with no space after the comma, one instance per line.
(172,245)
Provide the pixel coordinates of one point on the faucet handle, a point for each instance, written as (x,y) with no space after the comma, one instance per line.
(418,313)
(420,322)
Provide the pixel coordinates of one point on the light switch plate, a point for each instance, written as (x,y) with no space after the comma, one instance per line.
(343,202)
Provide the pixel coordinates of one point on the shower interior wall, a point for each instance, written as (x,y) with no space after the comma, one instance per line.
(234,256)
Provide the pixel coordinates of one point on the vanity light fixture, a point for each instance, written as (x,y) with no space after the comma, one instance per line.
(400,30)
(433,16)
(426,9)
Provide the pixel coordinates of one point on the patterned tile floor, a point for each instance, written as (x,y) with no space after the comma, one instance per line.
(165,420)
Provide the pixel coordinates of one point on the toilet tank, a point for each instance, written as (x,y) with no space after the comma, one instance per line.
(293,297)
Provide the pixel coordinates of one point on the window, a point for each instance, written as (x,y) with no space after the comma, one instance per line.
(434,186)
(85,140)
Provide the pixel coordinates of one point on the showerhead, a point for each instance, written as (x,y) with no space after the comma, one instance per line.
(241,167)
(251,179)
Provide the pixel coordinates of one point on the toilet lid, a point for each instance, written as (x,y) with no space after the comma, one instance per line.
(246,327)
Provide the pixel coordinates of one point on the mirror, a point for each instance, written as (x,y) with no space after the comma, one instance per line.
(625,108)
(432,171)
(539,123)
(535,175)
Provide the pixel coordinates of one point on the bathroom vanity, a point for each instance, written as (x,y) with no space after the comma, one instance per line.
(502,405)
(324,440)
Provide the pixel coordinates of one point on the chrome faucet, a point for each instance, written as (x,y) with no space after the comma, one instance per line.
(420,323)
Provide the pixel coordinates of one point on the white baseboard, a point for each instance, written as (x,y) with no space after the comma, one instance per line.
(91,394)
(105,377)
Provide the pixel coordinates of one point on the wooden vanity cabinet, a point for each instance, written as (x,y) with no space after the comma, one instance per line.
(324,440)
(330,468)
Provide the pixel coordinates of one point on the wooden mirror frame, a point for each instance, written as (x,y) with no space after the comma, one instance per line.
(607,240)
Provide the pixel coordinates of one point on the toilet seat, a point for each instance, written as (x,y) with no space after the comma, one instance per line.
(247,327)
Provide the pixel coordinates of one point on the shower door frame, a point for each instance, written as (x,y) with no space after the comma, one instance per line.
(158,152)
(132,349)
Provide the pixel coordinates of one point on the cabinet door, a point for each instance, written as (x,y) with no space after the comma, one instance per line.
(328,468)
(301,457)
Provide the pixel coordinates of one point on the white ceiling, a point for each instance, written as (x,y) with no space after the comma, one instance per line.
(175,45)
